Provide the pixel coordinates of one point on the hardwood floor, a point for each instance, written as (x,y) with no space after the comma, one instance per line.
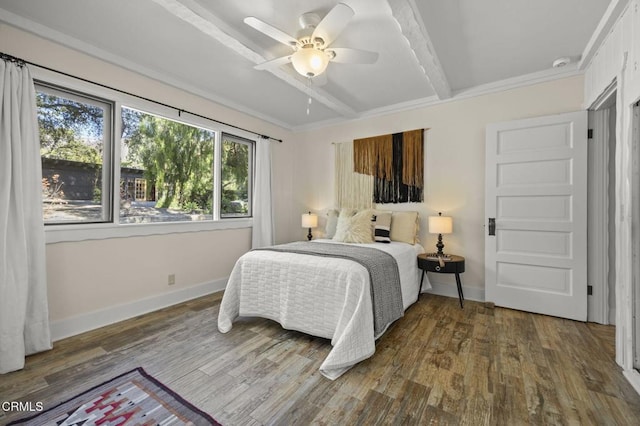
(437,365)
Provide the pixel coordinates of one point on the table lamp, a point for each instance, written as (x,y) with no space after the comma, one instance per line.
(440,225)
(309,220)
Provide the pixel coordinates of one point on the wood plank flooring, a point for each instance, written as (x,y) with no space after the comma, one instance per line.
(437,365)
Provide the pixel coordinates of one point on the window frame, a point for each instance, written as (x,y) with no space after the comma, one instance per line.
(55,233)
(250,178)
(107,148)
(187,123)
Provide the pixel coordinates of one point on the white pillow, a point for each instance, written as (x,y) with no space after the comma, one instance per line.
(332,223)
(404,227)
(354,228)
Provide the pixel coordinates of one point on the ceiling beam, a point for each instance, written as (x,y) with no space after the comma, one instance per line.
(205,21)
(406,13)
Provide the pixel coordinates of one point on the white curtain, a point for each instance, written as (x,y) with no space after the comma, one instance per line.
(263,229)
(24,315)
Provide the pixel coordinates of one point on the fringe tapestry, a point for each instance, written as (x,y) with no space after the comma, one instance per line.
(396,162)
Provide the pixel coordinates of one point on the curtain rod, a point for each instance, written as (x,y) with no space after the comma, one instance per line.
(19,61)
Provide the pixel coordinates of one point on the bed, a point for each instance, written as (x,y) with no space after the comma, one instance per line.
(322,296)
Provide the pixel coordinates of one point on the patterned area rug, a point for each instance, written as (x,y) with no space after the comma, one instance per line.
(133,398)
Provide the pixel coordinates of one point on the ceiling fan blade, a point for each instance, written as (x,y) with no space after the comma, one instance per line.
(273,63)
(332,25)
(271,31)
(345,55)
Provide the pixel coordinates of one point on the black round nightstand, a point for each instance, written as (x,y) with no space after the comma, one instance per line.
(453,265)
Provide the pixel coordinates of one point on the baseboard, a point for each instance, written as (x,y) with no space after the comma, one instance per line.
(634,378)
(612,316)
(92,320)
(450,290)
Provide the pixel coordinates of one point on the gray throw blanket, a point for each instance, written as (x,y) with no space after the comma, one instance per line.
(386,293)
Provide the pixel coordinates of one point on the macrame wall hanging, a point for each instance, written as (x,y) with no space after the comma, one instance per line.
(396,163)
(352,190)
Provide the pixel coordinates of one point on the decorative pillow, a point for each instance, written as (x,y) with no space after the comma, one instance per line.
(354,228)
(332,223)
(404,227)
(382,226)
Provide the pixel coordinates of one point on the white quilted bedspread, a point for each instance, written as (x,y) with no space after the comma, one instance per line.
(321,296)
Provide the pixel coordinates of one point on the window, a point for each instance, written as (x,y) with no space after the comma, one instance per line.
(237,165)
(75,146)
(167,170)
(162,171)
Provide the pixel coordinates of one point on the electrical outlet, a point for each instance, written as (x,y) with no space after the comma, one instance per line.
(172,279)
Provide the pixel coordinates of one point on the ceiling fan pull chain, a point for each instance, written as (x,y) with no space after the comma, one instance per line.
(309,101)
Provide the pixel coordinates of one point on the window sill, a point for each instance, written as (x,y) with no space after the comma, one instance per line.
(69,233)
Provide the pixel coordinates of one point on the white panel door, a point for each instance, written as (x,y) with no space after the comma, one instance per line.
(536,192)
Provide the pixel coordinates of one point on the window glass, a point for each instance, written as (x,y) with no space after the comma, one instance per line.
(166,172)
(75,145)
(236,176)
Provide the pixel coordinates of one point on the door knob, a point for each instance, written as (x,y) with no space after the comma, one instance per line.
(492,226)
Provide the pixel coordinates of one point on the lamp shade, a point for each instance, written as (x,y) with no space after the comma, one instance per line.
(309,220)
(309,62)
(440,225)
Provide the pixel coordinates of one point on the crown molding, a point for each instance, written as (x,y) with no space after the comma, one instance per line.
(570,70)
(551,74)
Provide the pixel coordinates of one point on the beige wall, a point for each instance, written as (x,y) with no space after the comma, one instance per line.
(455,160)
(85,277)
(89,276)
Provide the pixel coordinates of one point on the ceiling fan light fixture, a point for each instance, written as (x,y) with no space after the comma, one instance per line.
(309,62)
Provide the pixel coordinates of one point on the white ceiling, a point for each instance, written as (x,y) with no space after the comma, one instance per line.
(429,50)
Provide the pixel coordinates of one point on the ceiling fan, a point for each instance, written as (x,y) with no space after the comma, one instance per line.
(311,51)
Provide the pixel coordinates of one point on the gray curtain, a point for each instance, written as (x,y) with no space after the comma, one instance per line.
(24,315)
